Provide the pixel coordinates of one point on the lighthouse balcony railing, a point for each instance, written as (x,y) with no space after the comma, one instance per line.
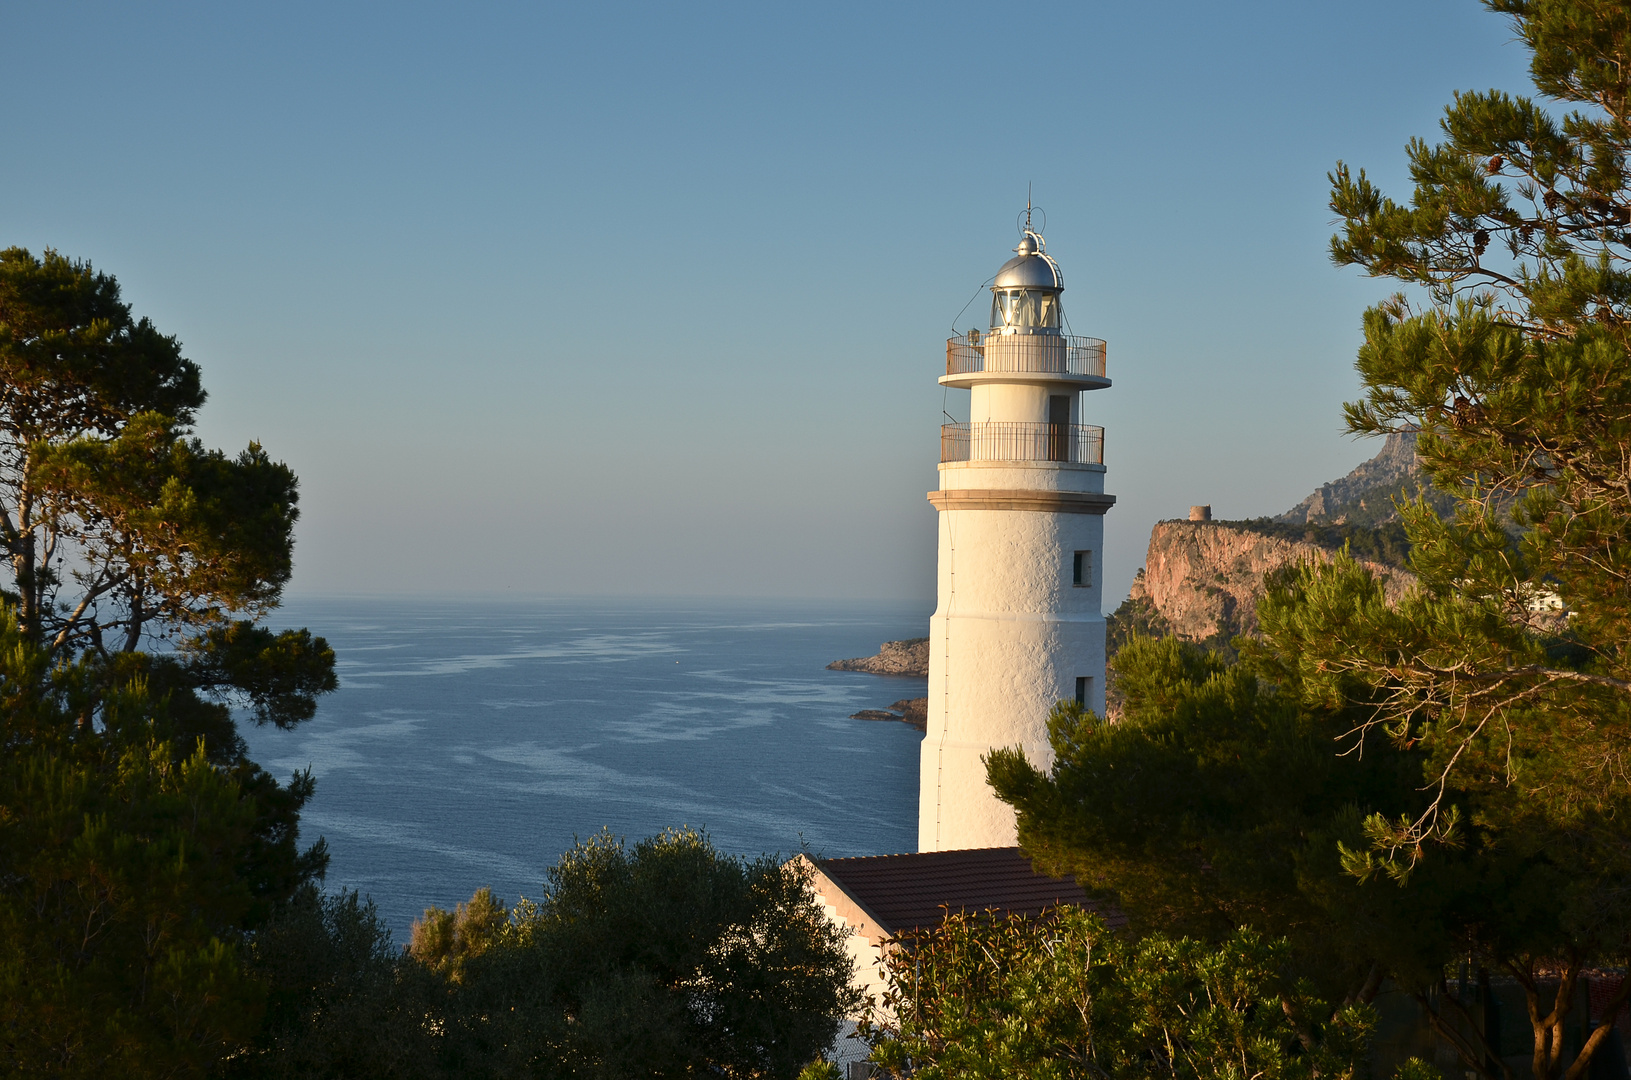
(1031,354)
(1080,444)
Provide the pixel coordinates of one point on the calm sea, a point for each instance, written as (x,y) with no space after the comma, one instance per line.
(470,742)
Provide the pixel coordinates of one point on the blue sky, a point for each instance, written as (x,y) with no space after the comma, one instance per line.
(635,299)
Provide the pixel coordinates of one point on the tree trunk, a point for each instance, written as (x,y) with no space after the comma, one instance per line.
(29,581)
(1470,1044)
(1599,1034)
(1369,988)
(1547,1062)
(28,608)
(133,639)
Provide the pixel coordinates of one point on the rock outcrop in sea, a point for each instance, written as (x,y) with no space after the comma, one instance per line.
(911,711)
(907,657)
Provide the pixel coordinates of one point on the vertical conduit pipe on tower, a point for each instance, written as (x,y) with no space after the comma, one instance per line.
(945,676)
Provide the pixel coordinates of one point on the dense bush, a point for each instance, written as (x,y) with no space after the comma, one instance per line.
(664,959)
(1060,998)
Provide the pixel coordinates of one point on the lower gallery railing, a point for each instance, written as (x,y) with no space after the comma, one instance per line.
(1014,441)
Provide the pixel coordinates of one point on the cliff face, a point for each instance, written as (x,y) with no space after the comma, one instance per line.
(1204,578)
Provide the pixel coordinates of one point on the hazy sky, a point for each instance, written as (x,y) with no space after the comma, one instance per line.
(652,298)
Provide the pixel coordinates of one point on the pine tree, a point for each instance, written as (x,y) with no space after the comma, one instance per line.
(139,846)
(1515,658)
(1509,670)
(121,530)
(1503,683)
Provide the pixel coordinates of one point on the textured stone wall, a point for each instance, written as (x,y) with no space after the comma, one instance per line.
(1009,638)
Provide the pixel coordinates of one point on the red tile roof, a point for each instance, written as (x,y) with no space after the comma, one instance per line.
(902,892)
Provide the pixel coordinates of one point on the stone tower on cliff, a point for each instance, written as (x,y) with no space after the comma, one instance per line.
(1021,501)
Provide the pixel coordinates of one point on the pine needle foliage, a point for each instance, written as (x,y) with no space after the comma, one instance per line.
(1397,788)
(130,867)
(1512,664)
(127,541)
(1505,677)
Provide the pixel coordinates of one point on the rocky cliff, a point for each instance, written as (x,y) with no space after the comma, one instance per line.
(1202,579)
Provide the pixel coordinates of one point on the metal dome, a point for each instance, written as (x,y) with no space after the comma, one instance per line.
(1032,268)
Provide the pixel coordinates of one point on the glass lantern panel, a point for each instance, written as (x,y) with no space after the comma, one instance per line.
(1022,312)
(1024,308)
(1050,310)
(1002,309)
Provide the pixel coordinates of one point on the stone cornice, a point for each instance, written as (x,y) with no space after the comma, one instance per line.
(1044,502)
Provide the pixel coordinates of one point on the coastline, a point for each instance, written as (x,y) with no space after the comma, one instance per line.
(908,657)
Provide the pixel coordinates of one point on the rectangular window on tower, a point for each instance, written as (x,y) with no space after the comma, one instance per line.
(1081,569)
(1084,686)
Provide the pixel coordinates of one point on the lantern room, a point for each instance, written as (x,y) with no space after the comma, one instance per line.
(1025,374)
(1025,292)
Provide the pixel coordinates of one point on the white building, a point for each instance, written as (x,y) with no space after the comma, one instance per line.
(877,899)
(1021,501)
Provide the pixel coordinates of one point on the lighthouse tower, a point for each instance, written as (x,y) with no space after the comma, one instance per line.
(1021,501)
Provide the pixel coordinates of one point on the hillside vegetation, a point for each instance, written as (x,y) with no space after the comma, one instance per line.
(1384,542)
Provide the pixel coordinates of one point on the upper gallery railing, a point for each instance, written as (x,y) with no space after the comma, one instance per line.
(1035,354)
(1014,441)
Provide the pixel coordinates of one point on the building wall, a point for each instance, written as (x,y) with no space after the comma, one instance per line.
(866,955)
(1010,636)
(864,939)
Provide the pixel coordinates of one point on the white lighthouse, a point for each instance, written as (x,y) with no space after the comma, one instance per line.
(1021,501)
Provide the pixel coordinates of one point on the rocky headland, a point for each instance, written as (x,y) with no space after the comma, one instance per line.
(1202,580)
(1365,496)
(907,657)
